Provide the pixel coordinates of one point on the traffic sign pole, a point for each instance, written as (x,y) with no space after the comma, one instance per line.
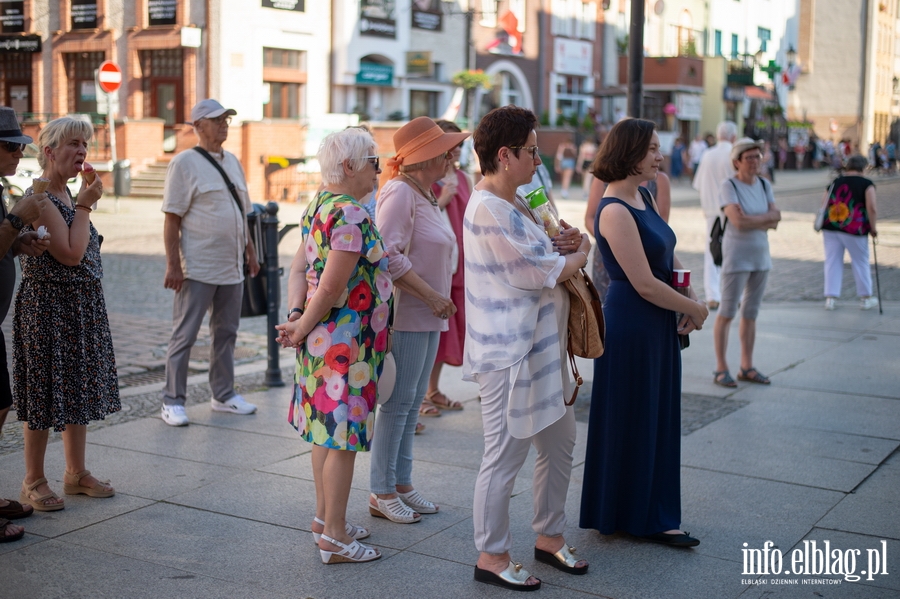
(109,79)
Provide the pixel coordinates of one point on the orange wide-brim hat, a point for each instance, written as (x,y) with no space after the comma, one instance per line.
(419,140)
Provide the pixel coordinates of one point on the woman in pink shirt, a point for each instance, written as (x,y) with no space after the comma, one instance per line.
(420,245)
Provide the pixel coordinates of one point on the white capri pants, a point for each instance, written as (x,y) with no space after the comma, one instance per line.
(858,246)
(503,458)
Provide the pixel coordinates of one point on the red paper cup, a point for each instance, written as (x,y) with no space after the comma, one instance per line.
(681,278)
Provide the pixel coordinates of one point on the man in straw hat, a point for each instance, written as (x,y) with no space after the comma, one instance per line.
(12,243)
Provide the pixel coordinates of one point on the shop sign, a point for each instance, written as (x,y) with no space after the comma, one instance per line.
(573,58)
(371,73)
(427,14)
(20,43)
(688,107)
(418,64)
(295,5)
(162,12)
(84,14)
(376,18)
(12,16)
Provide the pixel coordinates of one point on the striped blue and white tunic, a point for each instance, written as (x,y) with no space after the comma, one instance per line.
(516,314)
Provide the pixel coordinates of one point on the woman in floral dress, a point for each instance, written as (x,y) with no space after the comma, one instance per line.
(339,301)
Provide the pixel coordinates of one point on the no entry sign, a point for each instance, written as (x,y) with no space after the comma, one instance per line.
(109,77)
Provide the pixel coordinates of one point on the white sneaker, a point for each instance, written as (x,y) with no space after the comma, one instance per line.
(867,303)
(174,415)
(235,405)
(829,303)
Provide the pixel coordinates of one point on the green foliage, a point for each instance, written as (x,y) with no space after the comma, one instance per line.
(588,124)
(622,45)
(471,79)
(545,118)
(689,48)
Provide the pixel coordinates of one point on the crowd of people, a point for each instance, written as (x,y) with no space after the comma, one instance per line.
(378,282)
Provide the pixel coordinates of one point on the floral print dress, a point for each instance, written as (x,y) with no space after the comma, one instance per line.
(335,385)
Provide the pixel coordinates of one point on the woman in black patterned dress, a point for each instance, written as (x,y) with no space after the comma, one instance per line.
(63,361)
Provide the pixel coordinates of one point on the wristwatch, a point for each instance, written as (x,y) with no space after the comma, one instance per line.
(15,221)
(300,310)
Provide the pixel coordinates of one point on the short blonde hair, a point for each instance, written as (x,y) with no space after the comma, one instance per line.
(353,144)
(60,130)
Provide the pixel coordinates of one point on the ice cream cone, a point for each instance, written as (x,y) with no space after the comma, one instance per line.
(89,174)
(39,184)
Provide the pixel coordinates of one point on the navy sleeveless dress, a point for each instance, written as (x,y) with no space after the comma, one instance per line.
(632,476)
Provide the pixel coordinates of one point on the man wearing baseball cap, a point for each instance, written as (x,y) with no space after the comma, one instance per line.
(12,243)
(206,237)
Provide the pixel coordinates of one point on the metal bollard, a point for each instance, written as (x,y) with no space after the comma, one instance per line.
(273,291)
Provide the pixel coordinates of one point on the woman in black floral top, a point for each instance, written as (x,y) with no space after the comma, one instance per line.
(64,366)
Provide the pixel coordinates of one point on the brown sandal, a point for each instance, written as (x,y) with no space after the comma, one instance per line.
(5,538)
(428,410)
(72,486)
(445,404)
(38,502)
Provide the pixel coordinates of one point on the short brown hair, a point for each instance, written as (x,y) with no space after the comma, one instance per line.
(502,127)
(448,126)
(624,148)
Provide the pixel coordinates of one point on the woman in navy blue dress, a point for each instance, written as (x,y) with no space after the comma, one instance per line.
(633,463)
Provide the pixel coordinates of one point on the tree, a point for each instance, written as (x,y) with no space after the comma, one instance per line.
(471,80)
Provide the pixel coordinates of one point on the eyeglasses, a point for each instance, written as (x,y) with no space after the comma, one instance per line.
(374,161)
(13,147)
(220,120)
(753,157)
(532,149)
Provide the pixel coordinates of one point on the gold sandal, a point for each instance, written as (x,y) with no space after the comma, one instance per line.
(448,404)
(38,502)
(72,486)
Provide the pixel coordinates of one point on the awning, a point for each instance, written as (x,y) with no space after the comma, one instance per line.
(754,92)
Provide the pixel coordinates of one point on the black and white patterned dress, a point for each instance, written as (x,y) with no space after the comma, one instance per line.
(64,368)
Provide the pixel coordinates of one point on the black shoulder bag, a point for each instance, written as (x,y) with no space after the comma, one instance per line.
(254,302)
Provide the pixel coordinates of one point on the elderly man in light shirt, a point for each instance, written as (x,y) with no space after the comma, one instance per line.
(207,243)
(715,167)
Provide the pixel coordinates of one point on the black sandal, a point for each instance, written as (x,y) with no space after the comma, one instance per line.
(757,377)
(9,538)
(723,379)
(513,578)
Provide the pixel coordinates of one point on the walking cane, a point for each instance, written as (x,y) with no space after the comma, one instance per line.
(877,280)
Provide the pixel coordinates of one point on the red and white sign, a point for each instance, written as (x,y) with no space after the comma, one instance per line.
(109,77)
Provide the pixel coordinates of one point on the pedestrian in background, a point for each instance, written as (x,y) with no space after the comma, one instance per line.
(14,242)
(715,168)
(632,470)
(695,152)
(749,205)
(207,246)
(452,192)
(516,351)
(677,159)
(586,152)
(64,363)
(420,244)
(564,165)
(850,217)
(338,292)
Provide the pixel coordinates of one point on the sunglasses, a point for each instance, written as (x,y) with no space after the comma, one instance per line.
(13,147)
(374,161)
(219,120)
(532,149)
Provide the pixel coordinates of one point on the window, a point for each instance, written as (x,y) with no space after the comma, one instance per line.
(764,36)
(284,74)
(80,67)
(284,100)
(488,13)
(588,21)
(423,103)
(734,46)
(292,59)
(717,49)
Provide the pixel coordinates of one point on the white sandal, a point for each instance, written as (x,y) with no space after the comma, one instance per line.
(394,510)
(418,503)
(354,552)
(357,532)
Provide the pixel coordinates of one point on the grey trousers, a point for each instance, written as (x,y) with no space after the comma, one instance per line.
(191,304)
(503,458)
